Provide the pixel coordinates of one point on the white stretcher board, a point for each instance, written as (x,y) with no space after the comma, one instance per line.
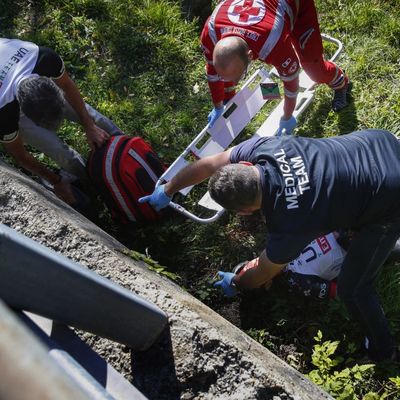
(239,111)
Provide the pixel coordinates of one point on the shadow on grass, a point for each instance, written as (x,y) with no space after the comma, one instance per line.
(347,120)
(315,127)
(9,10)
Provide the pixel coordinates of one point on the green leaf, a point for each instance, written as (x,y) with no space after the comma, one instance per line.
(371,396)
(396,381)
(318,338)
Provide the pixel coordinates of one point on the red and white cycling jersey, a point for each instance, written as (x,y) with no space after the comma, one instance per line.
(323,257)
(265,25)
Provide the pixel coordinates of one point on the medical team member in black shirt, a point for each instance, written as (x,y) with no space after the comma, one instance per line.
(306,188)
(36,93)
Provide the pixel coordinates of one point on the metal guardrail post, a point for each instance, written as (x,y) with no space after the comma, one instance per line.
(91,372)
(26,369)
(34,278)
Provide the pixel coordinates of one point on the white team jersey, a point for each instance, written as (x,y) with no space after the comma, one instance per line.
(322,257)
(17,60)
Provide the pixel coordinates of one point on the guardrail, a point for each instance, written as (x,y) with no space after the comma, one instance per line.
(37,279)
(59,365)
(27,371)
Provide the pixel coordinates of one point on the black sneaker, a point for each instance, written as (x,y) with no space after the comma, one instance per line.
(340,97)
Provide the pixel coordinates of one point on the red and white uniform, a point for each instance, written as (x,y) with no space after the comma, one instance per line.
(283,33)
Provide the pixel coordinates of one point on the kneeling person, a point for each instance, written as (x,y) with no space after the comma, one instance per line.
(36,93)
(307,188)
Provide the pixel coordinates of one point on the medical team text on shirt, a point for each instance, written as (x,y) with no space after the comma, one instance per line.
(295,177)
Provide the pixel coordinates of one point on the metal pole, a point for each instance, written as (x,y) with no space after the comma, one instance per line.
(37,279)
(26,369)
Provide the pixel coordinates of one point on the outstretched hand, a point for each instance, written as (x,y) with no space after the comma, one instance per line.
(158,199)
(226,283)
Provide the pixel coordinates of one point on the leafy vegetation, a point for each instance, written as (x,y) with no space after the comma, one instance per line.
(350,383)
(139,62)
(151,264)
(344,384)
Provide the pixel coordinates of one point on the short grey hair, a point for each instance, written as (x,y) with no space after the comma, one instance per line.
(235,186)
(41,100)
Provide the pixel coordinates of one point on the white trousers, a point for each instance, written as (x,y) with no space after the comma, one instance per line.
(49,143)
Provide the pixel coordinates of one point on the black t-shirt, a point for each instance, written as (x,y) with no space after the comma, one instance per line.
(49,64)
(315,186)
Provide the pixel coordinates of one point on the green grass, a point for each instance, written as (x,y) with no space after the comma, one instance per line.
(139,62)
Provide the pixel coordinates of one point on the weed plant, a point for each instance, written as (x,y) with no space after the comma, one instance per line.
(139,62)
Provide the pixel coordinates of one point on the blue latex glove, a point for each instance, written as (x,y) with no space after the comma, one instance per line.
(286,126)
(214,115)
(226,283)
(158,199)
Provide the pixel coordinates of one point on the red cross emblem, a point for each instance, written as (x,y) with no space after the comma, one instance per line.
(246,12)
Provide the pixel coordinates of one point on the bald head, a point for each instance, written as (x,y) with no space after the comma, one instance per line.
(230,57)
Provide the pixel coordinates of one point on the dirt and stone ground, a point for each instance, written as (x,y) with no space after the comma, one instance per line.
(199,356)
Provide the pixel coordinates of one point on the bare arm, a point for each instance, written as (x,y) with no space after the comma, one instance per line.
(17,150)
(260,275)
(197,172)
(95,135)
